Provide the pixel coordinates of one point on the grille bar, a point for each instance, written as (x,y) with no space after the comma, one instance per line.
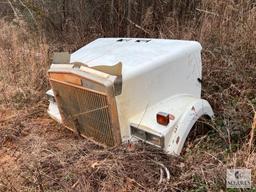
(90,111)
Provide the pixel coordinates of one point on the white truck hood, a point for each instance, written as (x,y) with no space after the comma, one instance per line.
(133,53)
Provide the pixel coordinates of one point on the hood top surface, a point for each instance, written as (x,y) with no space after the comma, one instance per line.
(132,52)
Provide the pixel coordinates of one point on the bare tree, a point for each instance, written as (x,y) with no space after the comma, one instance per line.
(129,6)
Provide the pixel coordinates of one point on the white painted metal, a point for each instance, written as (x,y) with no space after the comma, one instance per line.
(158,75)
(53,110)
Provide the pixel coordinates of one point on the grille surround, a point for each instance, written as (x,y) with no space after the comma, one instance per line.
(87,106)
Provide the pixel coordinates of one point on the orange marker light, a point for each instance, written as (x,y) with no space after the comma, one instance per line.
(162,118)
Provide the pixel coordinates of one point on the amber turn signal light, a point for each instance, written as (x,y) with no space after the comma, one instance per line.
(162,118)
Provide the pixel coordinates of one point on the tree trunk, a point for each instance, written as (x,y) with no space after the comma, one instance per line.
(129,17)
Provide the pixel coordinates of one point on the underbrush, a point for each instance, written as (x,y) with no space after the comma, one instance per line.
(24,60)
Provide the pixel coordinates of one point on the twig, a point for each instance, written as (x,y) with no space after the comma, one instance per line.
(208,12)
(75,184)
(214,157)
(30,12)
(136,182)
(139,27)
(14,11)
(204,178)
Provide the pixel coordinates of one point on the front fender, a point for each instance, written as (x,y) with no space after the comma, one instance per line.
(182,128)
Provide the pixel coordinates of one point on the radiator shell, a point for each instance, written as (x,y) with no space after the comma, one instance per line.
(86,105)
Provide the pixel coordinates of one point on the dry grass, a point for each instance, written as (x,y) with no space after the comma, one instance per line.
(24,60)
(45,157)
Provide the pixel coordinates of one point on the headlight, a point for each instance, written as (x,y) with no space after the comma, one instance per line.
(147,137)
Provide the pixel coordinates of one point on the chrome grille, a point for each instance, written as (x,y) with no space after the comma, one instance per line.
(85,111)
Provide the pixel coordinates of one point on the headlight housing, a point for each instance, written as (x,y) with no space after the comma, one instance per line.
(147,137)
